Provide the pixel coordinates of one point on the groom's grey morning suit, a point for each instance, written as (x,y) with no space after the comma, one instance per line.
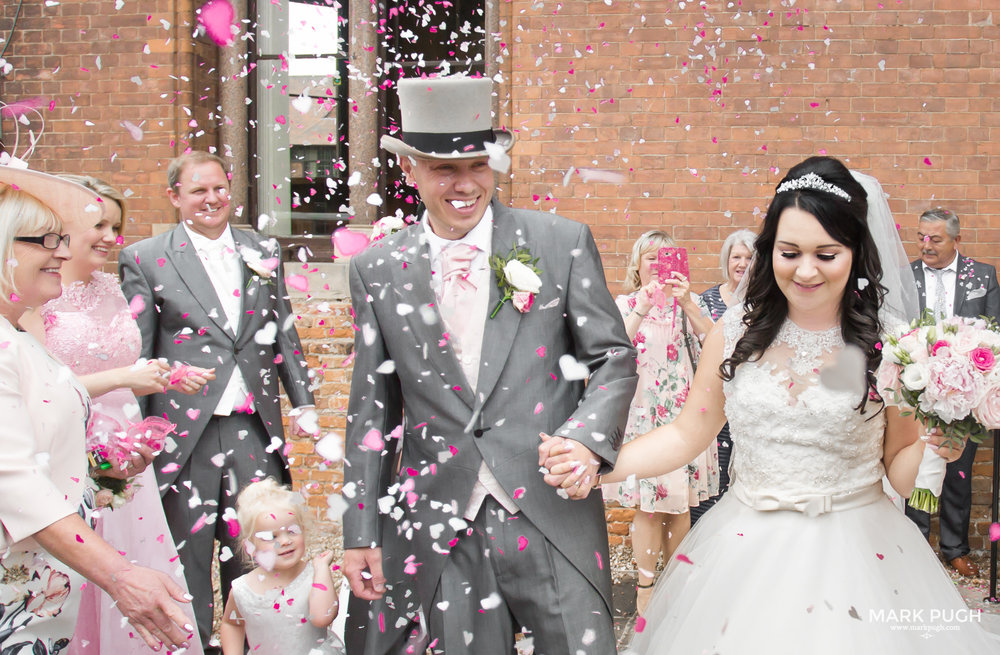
(217,447)
(412,503)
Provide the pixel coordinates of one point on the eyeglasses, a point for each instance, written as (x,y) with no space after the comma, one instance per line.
(49,241)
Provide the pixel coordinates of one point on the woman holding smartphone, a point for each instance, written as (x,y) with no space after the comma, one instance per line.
(665,322)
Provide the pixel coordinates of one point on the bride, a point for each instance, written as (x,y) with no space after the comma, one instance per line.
(806,554)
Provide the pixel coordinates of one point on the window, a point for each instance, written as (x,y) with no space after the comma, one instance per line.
(301,116)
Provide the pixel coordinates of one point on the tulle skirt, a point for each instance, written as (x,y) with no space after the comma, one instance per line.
(853,581)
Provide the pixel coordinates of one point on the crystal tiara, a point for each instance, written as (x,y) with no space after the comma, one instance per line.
(814,182)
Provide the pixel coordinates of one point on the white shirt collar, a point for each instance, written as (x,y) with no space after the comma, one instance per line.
(952,267)
(202,243)
(480,236)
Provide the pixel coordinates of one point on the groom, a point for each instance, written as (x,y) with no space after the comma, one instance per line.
(451,531)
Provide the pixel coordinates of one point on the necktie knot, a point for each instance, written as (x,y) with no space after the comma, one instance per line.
(456,261)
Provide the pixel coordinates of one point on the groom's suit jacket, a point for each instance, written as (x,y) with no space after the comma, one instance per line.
(182,320)
(976,290)
(406,373)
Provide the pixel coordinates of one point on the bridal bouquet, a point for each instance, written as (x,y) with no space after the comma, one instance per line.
(111,447)
(945,372)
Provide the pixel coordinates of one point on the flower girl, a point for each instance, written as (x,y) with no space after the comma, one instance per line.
(286,604)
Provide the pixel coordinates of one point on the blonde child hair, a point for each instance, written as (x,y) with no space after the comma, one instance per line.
(265,495)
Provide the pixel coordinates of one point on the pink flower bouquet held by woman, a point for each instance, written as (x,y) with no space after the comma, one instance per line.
(946,373)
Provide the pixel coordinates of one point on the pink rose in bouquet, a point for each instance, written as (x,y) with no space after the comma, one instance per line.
(983,359)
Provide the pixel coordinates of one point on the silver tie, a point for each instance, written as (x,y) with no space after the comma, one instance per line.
(940,304)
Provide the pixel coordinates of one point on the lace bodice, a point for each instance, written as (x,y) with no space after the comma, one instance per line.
(90,327)
(792,415)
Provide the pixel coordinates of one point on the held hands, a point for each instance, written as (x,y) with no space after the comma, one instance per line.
(363,570)
(571,465)
(147,599)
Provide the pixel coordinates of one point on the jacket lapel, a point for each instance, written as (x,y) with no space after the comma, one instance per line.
(184,258)
(411,285)
(253,288)
(499,332)
(918,277)
(965,273)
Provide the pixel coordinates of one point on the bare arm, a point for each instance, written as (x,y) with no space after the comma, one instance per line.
(323,604)
(144,596)
(232,632)
(671,446)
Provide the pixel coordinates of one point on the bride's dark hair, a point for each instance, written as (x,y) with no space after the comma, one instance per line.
(845,221)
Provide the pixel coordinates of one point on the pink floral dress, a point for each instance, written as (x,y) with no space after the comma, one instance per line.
(91,329)
(665,375)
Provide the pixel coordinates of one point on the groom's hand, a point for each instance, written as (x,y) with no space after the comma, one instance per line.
(571,465)
(363,570)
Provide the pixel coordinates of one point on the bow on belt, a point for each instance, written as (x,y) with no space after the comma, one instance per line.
(808,504)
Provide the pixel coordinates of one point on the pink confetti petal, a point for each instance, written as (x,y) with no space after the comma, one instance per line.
(927,160)
(216,16)
(538,408)
(297,282)
(199,524)
(640,624)
(172,467)
(348,242)
(373,440)
(684,558)
(540,351)
(137,306)
(522,542)
(193,413)
(995,532)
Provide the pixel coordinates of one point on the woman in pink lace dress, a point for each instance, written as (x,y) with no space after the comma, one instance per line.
(91,329)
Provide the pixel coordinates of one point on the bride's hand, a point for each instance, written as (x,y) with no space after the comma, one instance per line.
(945,448)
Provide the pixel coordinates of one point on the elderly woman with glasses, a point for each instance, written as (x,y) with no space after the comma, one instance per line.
(47,547)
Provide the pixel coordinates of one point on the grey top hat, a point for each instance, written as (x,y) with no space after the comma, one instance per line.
(446,118)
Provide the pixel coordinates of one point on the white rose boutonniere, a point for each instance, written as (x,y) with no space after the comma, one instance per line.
(262,268)
(518,279)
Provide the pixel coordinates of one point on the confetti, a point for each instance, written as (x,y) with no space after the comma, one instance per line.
(216,16)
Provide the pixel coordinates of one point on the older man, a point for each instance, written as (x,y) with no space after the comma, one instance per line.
(213,296)
(952,285)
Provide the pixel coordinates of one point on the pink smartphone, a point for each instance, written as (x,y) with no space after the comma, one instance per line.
(670,260)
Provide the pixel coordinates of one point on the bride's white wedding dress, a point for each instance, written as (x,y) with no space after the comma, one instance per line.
(805,554)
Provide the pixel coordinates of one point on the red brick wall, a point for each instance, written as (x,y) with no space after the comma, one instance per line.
(702,108)
(89,65)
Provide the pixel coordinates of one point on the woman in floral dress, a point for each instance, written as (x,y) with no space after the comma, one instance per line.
(666,335)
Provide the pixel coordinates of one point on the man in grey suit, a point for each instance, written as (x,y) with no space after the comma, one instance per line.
(208,295)
(952,285)
(451,532)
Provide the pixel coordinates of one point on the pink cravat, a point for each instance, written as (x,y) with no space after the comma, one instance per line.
(457,295)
